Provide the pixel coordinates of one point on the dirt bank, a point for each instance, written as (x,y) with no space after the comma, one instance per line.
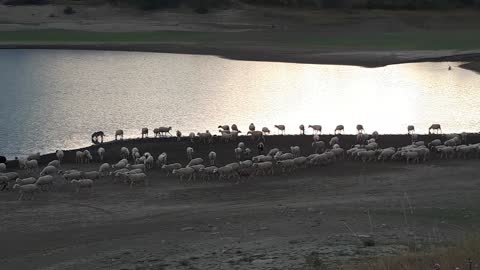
(277,222)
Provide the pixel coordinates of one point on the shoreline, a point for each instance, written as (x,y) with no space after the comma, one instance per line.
(365,58)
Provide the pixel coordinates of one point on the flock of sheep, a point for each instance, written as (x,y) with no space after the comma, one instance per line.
(133,165)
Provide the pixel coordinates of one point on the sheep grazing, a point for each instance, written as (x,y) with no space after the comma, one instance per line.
(435,127)
(446,151)
(224,127)
(124,152)
(25,181)
(156,132)
(184,172)
(225,172)
(82,184)
(207,172)
(262,158)
(144,132)
(265,168)
(137,166)
(3,167)
(44,182)
(251,127)
(93,175)
(149,162)
(101,153)
(55,163)
(212,156)
(272,152)
(31,165)
(26,191)
(135,178)
(168,168)
(281,129)
(368,155)
(72,175)
(78,157)
(189,153)
(87,157)
(411,129)
(162,159)
(104,169)
(60,155)
(256,135)
(287,166)
(300,162)
(295,151)
(317,129)
(360,129)
(339,129)
(334,140)
(386,154)
(302,129)
(49,170)
(265,131)
(205,137)
(411,156)
(164,131)
(195,161)
(434,143)
(179,135)
(318,147)
(118,133)
(35,156)
(121,164)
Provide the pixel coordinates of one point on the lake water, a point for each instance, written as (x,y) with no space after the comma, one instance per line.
(55,99)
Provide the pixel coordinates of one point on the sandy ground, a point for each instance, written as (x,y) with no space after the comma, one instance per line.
(262,34)
(276,222)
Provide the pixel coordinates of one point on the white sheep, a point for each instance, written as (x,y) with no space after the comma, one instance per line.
(49,170)
(238,153)
(78,157)
(124,152)
(265,130)
(136,178)
(386,154)
(295,151)
(82,184)
(446,151)
(273,151)
(118,133)
(104,169)
(281,129)
(3,167)
(434,143)
(101,153)
(247,152)
(25,181)
(208,171)
(251,127)
(339,152)
(212,156)
(184,172)
(435,127)
(87,157)
(300,162)
(234,127)
(190,153)
(60,155)
(318,147)
(136,166)
(410,156)
(302,129)
(93,175)
(334,140)
(317,129)
(44,182)
(339,129)
(121,164)
(285,156)
(375,134)
(287,165)
(149,162)
(170,167)
(226,136)
(195,161)
(31,165)
(26,190)
(225,172)
(72,175)
(368,155)
(265,168)
(144,132)
(55,163)
(262,158)
(162,159)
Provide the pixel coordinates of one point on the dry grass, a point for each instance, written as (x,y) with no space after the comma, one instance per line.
(447,257)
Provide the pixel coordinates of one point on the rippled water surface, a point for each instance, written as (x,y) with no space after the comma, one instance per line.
(54,99)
